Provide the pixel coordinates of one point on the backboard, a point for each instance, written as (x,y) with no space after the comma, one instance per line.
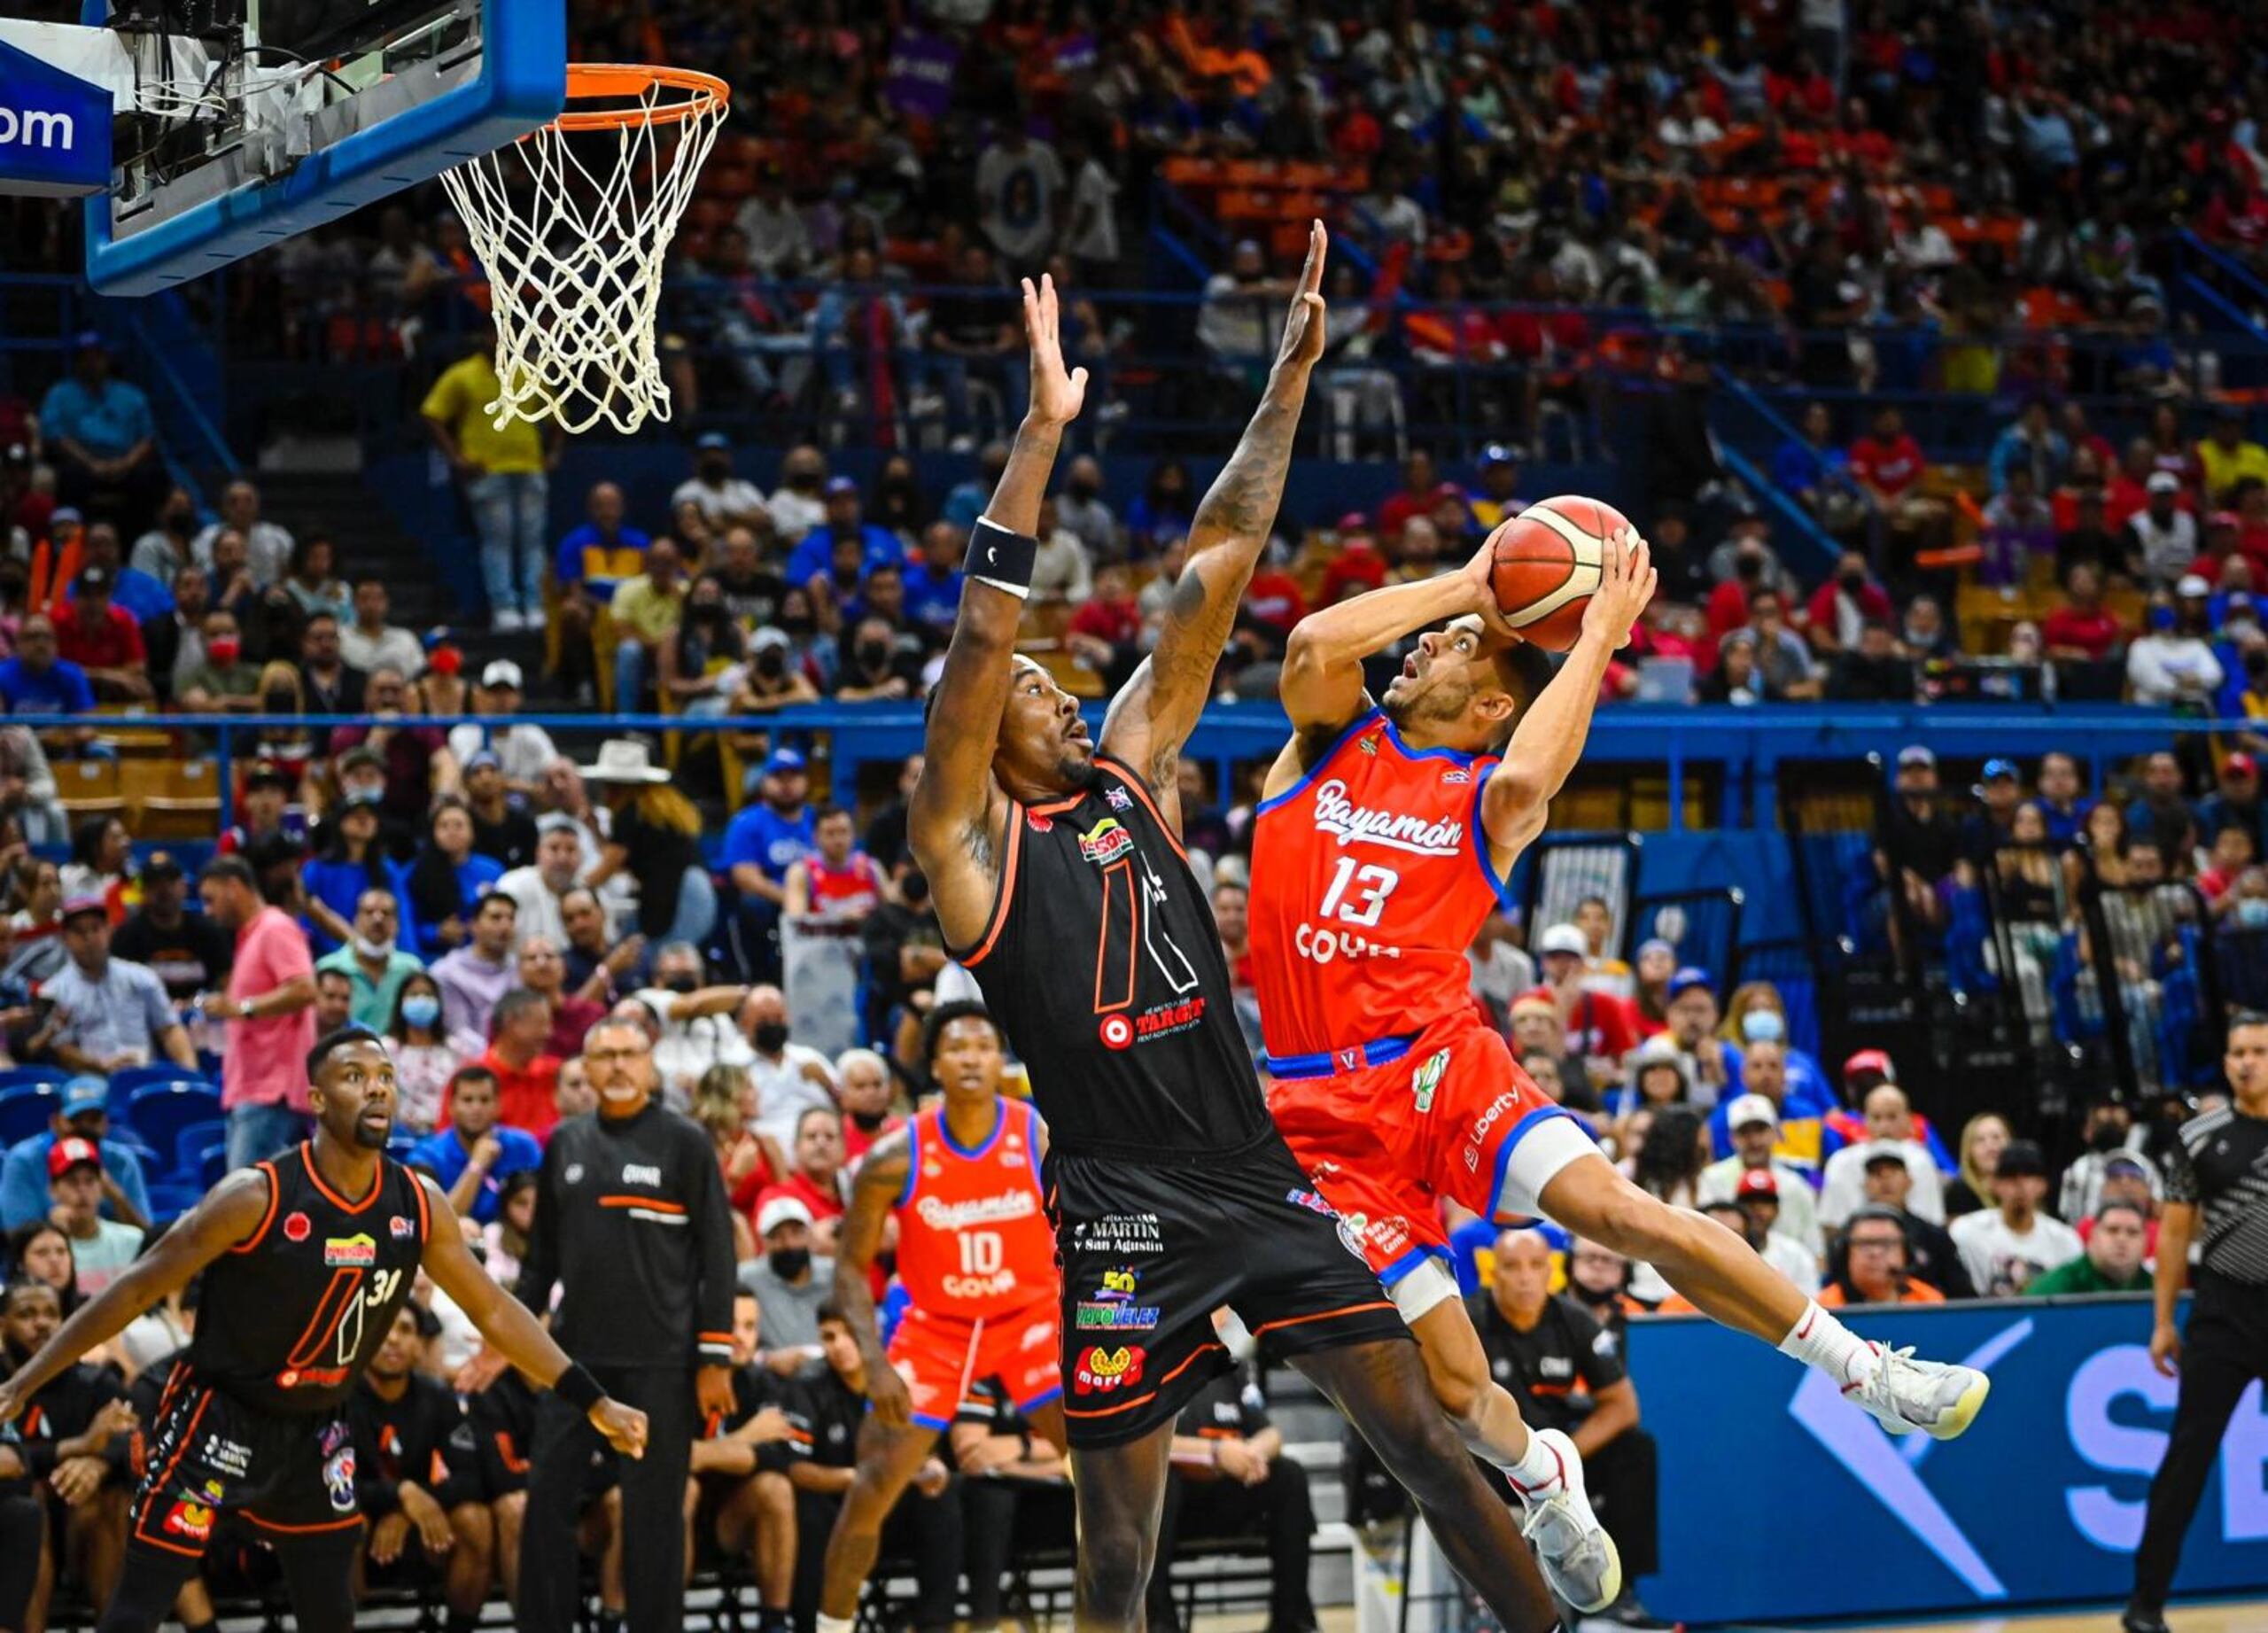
(281,116)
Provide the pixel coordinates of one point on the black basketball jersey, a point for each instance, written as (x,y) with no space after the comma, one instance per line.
(287,1320)
(1102,964)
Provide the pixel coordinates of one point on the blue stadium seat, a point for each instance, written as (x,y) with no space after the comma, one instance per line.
(159,1111)
(24,1109)
(128,1079)
(16,1076)
(170,1202)
(189,1143)
(211,1164)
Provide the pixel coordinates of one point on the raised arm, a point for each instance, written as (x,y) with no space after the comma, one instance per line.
(1549,740)
(954,814)
(1153,715)
(230,1214)
(507,1325)
(874,1193)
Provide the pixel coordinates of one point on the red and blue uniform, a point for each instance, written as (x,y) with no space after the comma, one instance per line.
(1369,877)
(845,894)
(977,1256)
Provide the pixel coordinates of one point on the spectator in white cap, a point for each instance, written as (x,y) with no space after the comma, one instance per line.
(368,642)
(1600,1027)
(523,751)
(1890,1117)
(2161,532)
(1755,1123)
(790,1285)
(2172,661)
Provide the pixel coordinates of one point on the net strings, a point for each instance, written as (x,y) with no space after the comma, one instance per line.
(575,267)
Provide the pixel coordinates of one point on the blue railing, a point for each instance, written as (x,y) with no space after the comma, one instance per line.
(1742,747)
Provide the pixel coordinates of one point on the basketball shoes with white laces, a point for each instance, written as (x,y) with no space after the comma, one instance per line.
(1579,1559)
(1904,1394)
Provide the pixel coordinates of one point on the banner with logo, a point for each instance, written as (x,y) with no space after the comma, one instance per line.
(54,129)
(1781,1500)
(819,976)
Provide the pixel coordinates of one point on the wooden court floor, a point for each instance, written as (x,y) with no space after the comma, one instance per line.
(2215,1616)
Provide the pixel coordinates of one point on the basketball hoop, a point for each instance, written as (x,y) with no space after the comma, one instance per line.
(572,223)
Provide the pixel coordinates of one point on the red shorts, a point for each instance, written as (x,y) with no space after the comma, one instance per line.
(940,1356)
(1452,1115)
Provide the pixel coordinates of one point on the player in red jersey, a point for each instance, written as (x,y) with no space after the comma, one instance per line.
(977,1256)
(1383,838)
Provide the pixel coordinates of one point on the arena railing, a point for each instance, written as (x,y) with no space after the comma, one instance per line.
(1744,745)
(1145,357)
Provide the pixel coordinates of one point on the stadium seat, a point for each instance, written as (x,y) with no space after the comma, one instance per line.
(88,788)
(24,1109)
(128,1078)
(193,1139)
(170,1202)
(211,1164)
(53,1075)
(169,798)
(159,1111)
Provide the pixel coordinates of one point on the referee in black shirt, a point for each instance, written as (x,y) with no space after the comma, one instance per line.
(2216,1195)
(633,1225)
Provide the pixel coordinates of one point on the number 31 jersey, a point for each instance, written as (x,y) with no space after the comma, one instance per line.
(289,1318)
(1369,877)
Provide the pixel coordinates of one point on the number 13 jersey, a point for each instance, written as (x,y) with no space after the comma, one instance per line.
(1102,964)
(1369,877)
(289,1318)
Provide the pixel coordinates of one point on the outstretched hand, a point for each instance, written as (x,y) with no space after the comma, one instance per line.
(624,1427)
(1626,584)
(1303,325)
(1056,394)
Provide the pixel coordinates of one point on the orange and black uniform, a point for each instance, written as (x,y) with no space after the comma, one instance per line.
(425,1439)
(1170,1189)
(1553,1370)
(251,1420)
(632,1226)
(21,1526)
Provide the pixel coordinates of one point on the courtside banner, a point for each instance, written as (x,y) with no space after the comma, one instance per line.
(54,129)
(1781,1500)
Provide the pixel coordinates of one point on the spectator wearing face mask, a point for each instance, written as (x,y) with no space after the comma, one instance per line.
(790,1078)
(2173,662)
(791,1286)
(697,1021)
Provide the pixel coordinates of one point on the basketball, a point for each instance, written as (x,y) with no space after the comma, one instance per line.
(1544,565)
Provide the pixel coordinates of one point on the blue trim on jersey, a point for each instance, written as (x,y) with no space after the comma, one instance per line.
(912,1160)
(1315,770)
(1480,843)
(999,1122)
(922,1419)
(1455,756)
(1041,1399)
(1504,1153)
(1409,1261)
(1325,1062)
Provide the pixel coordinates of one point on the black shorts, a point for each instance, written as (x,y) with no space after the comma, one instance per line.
(1150,1250)
(207,1453)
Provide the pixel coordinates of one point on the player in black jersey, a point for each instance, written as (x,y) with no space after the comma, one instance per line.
(307,1259)
(1057,870)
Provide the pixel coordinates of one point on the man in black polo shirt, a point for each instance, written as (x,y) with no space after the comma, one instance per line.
(187,951)
(1566,1372)
(2216,1195)
(1230,1478)
(417,1480)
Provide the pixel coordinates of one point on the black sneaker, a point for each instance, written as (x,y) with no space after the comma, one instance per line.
(2142,1622)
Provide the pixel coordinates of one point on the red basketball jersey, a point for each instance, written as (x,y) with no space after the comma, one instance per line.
(1368,879)
(973,1237)
(848,892)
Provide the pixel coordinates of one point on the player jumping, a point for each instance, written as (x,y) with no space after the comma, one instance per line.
(1059,878)
(1383,838)
(978,1262)
(302,1282)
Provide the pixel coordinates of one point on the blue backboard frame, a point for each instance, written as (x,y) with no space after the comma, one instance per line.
(522,85)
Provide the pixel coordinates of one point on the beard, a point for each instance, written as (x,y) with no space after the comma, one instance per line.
(1079,776)
(369,1138)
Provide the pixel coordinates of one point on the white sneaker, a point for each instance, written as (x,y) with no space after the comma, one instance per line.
(1579,1559)
(507,620)
(1904,1394)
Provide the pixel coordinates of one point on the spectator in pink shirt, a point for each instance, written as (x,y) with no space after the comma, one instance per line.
(269,1011)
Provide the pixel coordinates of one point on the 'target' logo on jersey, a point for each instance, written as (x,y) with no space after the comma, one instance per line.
(1106,842)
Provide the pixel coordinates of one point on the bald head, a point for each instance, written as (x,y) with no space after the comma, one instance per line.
(1889,1115)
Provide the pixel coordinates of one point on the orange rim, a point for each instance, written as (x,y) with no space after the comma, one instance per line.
(591,82)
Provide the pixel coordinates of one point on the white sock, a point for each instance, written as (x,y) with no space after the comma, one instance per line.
(1819,1340)
(1539,1473)
(834,1624)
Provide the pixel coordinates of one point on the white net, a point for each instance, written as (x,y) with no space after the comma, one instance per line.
(572,223)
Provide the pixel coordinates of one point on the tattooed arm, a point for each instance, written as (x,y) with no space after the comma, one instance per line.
(1153,717)
(953,819)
